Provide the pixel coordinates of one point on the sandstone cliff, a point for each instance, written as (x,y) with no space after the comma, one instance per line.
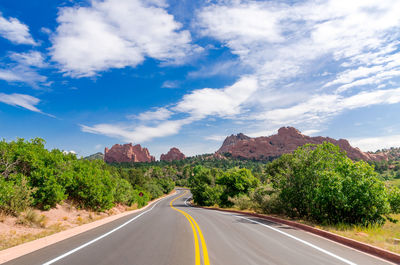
(127,153)
(173,154)
(286,141)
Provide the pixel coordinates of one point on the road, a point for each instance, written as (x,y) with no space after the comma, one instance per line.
(168,233)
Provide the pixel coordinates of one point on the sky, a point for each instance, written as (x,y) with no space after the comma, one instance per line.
(85,75)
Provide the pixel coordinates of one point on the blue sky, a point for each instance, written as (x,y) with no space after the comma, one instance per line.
(85,75)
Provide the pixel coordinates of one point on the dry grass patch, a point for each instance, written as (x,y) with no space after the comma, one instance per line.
(386,236)
(13,238)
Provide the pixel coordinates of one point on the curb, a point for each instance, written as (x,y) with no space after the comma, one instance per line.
(375,251)
(31,246)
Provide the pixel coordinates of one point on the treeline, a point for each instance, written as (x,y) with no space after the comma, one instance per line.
(181,170)
(316,182)
(32,176)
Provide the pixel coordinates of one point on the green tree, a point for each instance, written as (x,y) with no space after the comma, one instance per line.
(321,183)
(236,182)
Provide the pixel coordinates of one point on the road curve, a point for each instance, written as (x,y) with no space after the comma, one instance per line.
(166,235)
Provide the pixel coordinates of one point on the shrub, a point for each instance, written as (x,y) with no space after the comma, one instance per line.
(322,184)
(166,184)
(153,189)
(236,182)
(241,201)
(140,200)
(92,187)
(394,199)
(15,194)
(124,192)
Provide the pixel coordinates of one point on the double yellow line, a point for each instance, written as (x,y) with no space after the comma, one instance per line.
(196,238)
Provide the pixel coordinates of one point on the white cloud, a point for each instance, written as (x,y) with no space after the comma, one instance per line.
(284,52)
(31,58)
(218,138)
(375,143)
(159,114)
(219,102)
(320,107)
(170,84)
(20,100)
(140,133)
(15,31)
(24,69)
(116,34)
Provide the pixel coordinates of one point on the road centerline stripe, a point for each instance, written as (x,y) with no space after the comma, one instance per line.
(195,226)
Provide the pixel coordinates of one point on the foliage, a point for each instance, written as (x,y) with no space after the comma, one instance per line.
(236,182)
(394,199)
(15,194)
(322,184)
(32,176)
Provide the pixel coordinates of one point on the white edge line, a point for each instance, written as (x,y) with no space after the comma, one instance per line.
(300,240)
(100,237)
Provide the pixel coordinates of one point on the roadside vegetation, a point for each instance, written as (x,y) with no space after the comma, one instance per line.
(32,176)
(316,184)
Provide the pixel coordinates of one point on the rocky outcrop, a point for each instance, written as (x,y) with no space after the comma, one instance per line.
(286,141)
(127,153)
(173,154)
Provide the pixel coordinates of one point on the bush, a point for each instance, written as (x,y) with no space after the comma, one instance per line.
(265,200)
(236,182)
(203,188)
(166,184)
(92,187)
(140,200)
(124,192)
(322,184)
(241,201)
(153,189)
(394,199)
(15,194)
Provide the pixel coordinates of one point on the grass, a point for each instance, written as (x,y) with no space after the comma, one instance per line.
(13,239)
(383,237)
(394,182)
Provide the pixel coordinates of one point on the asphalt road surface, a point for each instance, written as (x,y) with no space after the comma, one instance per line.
(173,233)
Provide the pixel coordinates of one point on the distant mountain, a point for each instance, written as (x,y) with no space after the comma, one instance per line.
(287,140)
(97,156)
(172,155)
(127,153)
(392,153)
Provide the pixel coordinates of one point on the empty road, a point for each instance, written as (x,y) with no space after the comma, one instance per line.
(172,233)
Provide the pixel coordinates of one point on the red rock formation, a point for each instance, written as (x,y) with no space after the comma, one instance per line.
(173,154)
(127,153)
(286,141)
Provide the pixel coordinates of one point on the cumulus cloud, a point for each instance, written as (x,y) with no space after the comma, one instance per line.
(376,143)
(116,34)
(218,102)
(287,49)
(15,31)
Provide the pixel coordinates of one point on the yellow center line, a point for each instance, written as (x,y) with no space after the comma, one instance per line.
(194,224)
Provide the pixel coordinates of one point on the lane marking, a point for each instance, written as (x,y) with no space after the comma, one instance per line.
(300,240)
(203,243)
(194,224)
(100,237)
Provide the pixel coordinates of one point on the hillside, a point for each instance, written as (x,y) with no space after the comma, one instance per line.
(285,141)
(96,156)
